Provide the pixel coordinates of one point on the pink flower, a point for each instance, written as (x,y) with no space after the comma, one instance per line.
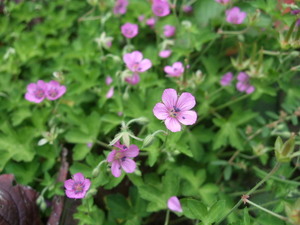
(175,110)
(165,53)
(108,80)
(120,7)
(174,204)
(130,30)
(141,18)
(151,22)
(89,144)
(54,90)
(243,84)
(36,92)
(77,187)
(120,158)
(176,70)
(110,92)
(135,62)
(226,79)
(235,15)
(169,30)
(160,8)
(134,79)
(223,1)
(187,8)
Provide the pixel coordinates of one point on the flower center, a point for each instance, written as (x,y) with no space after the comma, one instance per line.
(78,187)
(174,112)
(159,9)
(53,92)
(39,93)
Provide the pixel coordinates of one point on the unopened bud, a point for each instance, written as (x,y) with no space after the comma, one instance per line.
(148,141)
(96,171)
(284,151)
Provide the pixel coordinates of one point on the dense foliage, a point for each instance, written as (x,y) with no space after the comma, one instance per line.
(93,108)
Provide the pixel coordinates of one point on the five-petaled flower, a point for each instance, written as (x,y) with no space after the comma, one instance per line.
(235,15)
(54,90)
(226,79)
(176,110)
(130,30)
(120,7)
(174,204)
(169,30)
(135,62)
(176,70)
(36,92)
(160,8)
(77,187)
(120,158)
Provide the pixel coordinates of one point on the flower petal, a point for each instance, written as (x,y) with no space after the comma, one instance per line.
(111,156)
(169,98)
(186,101)
(128,165)
(70,194)
(173,124)
(127,58)
(132,151)
(78,177)
(87,184)
(187,117)
(160,111)
(144,65)
(69,184)
(174,204)
(168,70)
(115,168)
(137,56)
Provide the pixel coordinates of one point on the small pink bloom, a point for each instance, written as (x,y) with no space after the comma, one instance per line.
(187,8)
(120,7)
(135,62)
(243,84)
(36,92)
(89,145)
(54,90)
(108,80)
(226,79)
(160,8)
(110,92)
(176,70)
(151,22)
(77,187)
(174,204)
(130,30)
(121,158)
(235,15)
(141,18)
(169,30)
(165,53)
(223,1)
(134,79)
(176,110)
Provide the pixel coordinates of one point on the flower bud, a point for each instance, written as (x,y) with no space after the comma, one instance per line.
(148,141)
(96,171)
(284,151)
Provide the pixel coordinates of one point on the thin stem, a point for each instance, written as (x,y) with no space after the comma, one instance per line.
(103,144)
(275,168)
(167,217)
(233,32)
(267,211)
(231,102)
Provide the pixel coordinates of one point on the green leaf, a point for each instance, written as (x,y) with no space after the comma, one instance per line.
(119,207)
(216,211)
(80,151)
(193,209)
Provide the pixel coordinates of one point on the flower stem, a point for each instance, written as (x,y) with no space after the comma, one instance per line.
(103,144)
(266,210)
(167,217)
(231,102)
(275,168)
